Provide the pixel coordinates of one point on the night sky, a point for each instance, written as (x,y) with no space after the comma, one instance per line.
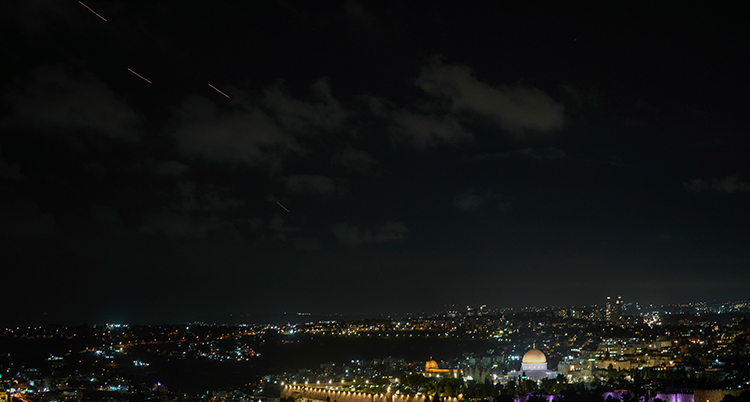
(429,154)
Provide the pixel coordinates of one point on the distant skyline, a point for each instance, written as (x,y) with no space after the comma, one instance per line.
(173,161)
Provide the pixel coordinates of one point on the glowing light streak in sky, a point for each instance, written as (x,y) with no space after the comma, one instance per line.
(140,76)
(217,90)
(97,14)
(145,79)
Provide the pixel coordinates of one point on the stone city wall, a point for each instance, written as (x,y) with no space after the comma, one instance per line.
(675,397)
(715,395)
(313,394)
(672,397)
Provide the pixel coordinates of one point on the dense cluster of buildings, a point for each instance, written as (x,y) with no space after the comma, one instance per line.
(581,344)
(591,345)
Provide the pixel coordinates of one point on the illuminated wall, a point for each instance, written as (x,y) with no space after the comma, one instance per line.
(321,394)
(715,395)
(313,394)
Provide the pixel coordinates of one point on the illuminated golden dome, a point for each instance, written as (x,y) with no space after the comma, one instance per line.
(534,356)
(432,368)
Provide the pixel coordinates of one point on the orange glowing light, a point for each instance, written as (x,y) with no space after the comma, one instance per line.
(97,14)
(282,206)
(217,90)
(140,76)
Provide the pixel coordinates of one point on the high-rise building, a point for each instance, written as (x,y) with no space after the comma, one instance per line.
(613,310)
(618,310)
(608,310)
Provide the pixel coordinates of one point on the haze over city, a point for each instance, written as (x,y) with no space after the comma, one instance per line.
(179,161)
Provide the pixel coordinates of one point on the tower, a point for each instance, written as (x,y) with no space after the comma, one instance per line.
(618,310)
(608,310)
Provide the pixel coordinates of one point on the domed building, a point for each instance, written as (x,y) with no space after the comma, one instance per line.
(431,369)
(534,359)
(533,367)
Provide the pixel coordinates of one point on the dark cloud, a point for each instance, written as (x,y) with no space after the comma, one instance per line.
(194,214)
(64,98)
(299,116)
(350,235)
(468,201)
(213,200)
(96,163)
(180,224)
(245,136)
(209,198)
(310,184)
(171,168)
(729,184)
(429,129)
(696,185)
(517,107)
(421,124)
(389,231)
(350,158)
(549,153)
(471,201)
(615,161)
(375,105)
(280,231)
(346,234)
(185,191)
(307,244)
(579,98)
